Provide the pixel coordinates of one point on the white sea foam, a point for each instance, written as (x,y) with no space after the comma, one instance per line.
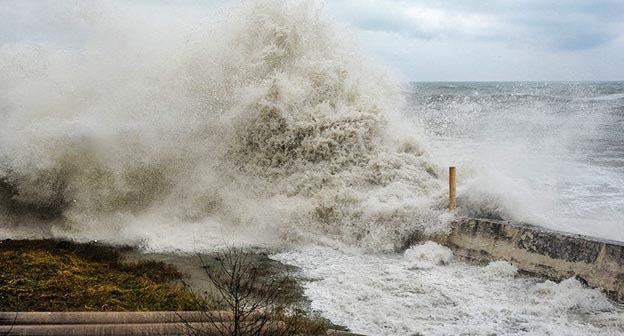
(261,125)
(260,117)
(498,269)
(427,255)
(266,120)
(548,154)
(384,295)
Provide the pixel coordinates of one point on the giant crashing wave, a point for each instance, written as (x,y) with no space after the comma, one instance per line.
(268,121)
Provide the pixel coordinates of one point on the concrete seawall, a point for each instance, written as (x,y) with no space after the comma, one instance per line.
(547,253)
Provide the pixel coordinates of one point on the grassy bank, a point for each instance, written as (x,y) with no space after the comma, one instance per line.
(49,275)
(54,275)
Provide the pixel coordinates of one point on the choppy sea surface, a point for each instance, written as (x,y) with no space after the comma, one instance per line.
(555,150)
(178,133)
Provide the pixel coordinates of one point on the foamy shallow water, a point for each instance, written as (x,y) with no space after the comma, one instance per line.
(426,291)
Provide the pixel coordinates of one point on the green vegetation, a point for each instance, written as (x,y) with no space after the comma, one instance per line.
(51,275)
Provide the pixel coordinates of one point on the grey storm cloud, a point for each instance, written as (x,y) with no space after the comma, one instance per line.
(426,40)
(560,25)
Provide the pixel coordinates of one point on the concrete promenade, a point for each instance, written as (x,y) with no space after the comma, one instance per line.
(117,323)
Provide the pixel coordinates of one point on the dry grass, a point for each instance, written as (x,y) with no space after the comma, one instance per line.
(56,275)
(50,275)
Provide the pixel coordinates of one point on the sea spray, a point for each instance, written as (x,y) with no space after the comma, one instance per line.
(392,294)
(543,153)
(266,124)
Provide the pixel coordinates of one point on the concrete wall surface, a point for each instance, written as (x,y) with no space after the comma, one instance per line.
(547,253)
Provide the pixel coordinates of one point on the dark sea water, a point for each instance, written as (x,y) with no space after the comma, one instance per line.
(555,149)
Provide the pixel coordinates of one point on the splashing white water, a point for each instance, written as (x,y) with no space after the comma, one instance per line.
(386,295)
(427,255)
(259,124)
(260,117)
(267,120)
(548,154)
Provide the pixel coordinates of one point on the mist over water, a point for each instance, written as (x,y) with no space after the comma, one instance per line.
(261,124)
(550,154)
(261,127)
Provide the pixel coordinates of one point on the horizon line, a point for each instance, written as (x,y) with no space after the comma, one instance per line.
(519,81)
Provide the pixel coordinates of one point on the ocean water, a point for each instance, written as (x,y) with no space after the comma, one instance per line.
(553,150)
(425,291)
(265,118)
(261,124)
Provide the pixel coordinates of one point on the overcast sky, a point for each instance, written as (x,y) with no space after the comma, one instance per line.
(452,40)
(492,39)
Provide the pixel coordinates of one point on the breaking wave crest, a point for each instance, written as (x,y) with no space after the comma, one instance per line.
(265,125)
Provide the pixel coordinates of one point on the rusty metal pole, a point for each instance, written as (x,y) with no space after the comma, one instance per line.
(451,204)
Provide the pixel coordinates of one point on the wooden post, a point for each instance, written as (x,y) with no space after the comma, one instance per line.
(451,204)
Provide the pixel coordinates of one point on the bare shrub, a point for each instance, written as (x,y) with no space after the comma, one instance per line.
(249,300)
